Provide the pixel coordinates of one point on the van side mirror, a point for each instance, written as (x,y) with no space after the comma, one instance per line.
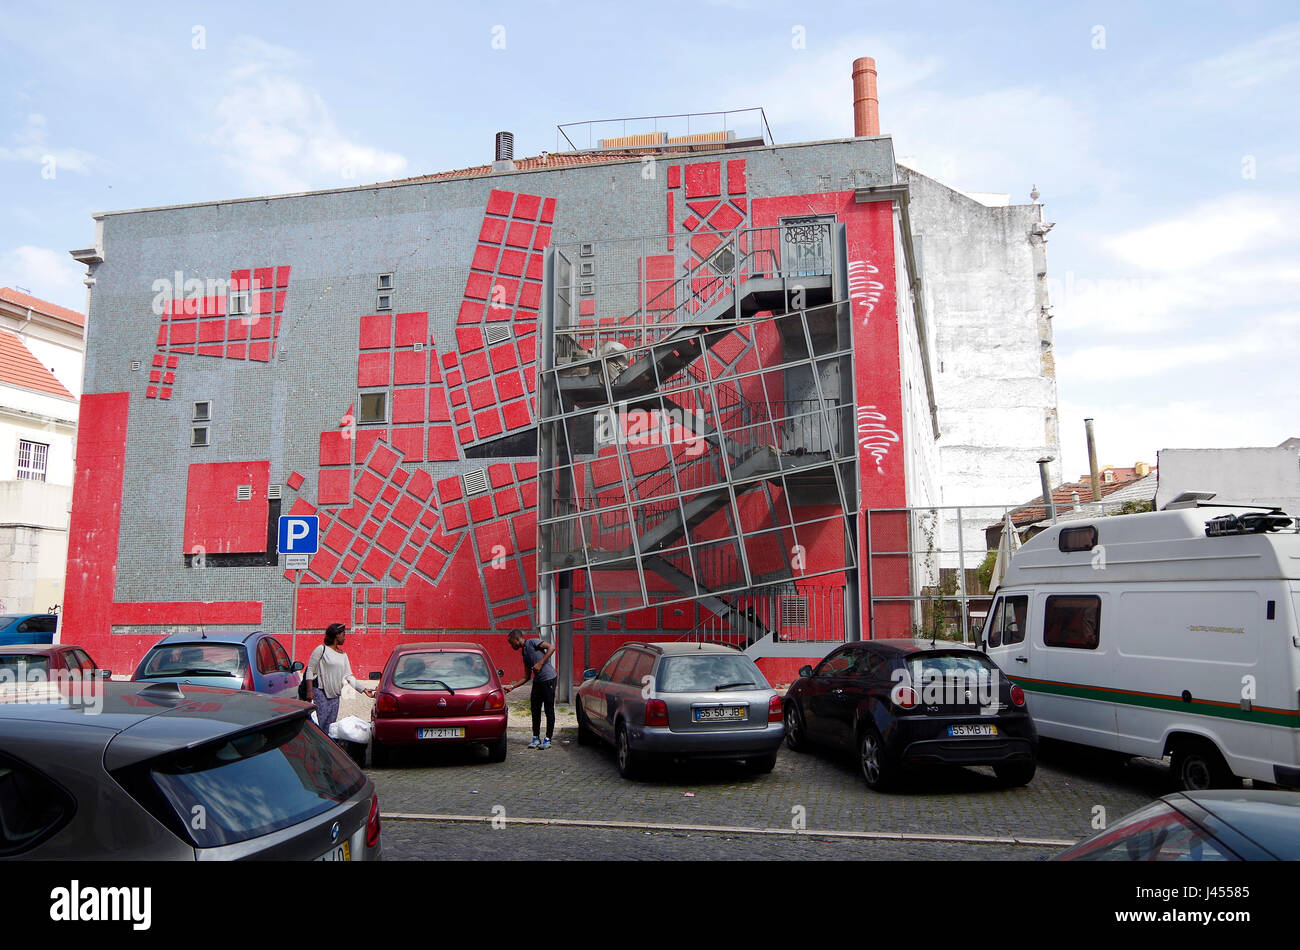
(805,670)
(588,674)
(375,674)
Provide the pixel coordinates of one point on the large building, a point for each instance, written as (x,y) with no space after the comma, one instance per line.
(41,348)
(701,359)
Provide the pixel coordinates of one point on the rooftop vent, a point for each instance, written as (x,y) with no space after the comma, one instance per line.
(505,146)
(1259,522)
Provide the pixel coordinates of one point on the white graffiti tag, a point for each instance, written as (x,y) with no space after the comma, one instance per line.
(864,291)
(874,436)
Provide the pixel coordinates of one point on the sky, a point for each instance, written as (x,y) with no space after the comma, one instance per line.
(1164,140)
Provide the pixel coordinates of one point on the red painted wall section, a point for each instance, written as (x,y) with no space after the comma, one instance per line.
(215,521)
(878,384)
(95,525)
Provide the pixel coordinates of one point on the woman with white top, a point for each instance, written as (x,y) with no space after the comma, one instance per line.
(328,668)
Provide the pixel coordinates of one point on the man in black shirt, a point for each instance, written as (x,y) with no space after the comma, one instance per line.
(537,667)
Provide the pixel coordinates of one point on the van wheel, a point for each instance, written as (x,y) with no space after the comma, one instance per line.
(1198,766)
(1012,774)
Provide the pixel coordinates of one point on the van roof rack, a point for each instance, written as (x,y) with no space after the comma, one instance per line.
(1254,522)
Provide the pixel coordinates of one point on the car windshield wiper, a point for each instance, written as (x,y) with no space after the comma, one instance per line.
(438,682)
(733,685)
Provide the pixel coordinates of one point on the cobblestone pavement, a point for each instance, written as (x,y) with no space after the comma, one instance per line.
(577,784)
(442,841)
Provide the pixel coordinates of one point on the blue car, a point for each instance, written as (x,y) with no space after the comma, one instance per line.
(27,628)
(252,661)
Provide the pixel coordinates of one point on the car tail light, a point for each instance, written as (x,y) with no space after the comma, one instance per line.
(248,677)
(494,700)
(386,704)
(656,712)
(774,709)
(1017,695)
(905,697)
(372,823)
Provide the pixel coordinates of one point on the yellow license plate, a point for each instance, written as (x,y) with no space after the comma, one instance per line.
(342,852)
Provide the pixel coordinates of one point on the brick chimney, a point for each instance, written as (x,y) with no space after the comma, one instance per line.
(866,104)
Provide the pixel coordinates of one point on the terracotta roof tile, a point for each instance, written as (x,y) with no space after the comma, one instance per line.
(18,367)
(20,299)
(1062,497)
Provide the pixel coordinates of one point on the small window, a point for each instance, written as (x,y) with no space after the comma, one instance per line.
(384,302)
(265,658)
(1072,621)
(1077,539)
(607,671)
(203,411)
(199,436)
(33,457)
(31,807)
(282,662)
(1007,625)
(385,281)
(794,611)
(587,250)
(374,408)
(239,302)
(837,664)
(640,669)
(587,269)
(623,671)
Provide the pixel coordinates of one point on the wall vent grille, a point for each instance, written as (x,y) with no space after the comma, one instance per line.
(476,482)
(244,493)
(273,493)
(496,333)
(794,611)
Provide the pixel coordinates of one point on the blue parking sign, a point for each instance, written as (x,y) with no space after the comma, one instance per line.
(299,534)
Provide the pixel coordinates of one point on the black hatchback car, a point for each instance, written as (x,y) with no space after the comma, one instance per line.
(904,704)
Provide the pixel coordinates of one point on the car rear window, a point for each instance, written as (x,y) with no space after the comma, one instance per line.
(708,673)
(440,671)
(195,659)
(921,665)
(31,807)
(17,667)
(251,784)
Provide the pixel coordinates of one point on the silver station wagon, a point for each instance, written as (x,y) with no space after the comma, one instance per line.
(656,702)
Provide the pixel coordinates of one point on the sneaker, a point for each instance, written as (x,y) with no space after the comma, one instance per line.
(535,744)
(546,744)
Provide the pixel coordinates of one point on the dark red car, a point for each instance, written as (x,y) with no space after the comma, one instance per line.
(433,694)
(23,662)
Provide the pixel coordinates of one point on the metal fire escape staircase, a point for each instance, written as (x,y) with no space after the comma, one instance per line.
(748,444)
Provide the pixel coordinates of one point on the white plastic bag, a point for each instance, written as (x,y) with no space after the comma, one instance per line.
(351,729)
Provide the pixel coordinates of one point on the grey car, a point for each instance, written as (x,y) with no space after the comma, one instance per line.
(661,701)
(94,770)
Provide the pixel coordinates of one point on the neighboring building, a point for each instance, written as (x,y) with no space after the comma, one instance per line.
(373,356)
(41,348)
(1242,476)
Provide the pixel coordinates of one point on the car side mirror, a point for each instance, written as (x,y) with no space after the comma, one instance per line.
(297,665)
(501,672)
(588,674)
(805,671)
(375,674)
(105,674)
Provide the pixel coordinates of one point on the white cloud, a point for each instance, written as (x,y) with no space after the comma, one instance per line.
(985,139)
(277,134)
(50,275)
(1111,361)
(1266,60)
(1209,232)
(31,145)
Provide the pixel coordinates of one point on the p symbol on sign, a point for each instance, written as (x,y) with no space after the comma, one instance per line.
(299,534)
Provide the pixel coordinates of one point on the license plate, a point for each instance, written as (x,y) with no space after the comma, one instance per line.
(983,730)
(719,713)
(341,853)
(442,732)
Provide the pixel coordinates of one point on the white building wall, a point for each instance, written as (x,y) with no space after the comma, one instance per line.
(984,276)
(1244,476)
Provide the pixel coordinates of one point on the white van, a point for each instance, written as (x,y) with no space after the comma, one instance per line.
(1167,633)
